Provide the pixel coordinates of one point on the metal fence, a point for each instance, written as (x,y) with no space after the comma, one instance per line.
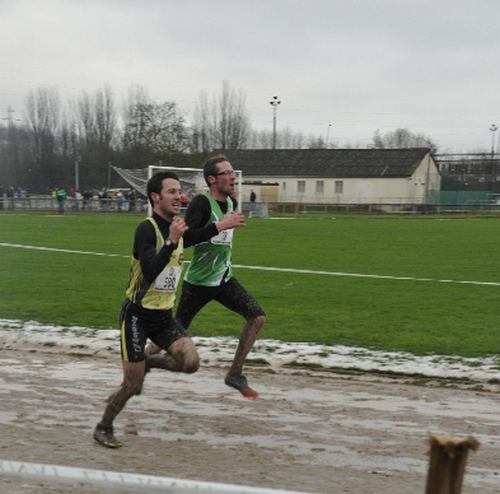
(447,202)
(96,204)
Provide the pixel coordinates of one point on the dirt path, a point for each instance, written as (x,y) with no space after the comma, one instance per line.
(310,431)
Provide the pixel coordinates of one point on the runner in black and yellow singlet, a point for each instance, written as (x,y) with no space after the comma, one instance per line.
(155,271)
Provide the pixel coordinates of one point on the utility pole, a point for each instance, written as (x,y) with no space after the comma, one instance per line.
(274,102)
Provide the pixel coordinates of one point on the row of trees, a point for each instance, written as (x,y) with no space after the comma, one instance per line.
(41,152)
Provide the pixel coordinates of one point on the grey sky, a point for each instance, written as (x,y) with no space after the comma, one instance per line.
(425,65)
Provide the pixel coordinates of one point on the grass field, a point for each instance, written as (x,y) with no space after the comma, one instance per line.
(412,293)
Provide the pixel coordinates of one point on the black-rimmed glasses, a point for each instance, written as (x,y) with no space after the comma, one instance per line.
(228,173)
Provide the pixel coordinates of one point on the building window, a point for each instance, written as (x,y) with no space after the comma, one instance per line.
(320,186)
(301,186)
(284,185)
(339,186)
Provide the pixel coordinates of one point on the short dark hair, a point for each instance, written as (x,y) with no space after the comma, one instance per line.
(210,166)
(155,183)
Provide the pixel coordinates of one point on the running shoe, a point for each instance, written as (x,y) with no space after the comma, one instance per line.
(240,383)
(105,436)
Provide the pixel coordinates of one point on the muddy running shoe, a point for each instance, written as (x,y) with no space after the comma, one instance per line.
(240,383)
(105,437)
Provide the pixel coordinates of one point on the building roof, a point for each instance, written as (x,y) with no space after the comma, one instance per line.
(327,163)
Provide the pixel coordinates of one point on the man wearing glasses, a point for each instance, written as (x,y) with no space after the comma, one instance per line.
(211,218)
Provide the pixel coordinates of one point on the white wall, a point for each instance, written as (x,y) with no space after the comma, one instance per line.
(412,190)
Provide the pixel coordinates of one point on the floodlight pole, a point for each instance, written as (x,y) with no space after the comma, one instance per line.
(77,173)
(274,102)
(493,129)
(107,200)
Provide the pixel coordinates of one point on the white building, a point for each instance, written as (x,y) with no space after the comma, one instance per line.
(389,177)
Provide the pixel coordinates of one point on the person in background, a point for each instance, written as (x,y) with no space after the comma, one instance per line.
(119,200)
(11,198)
(132,197)
(86,198)
(61,196)
(74,199)
(253,198)
(156,267)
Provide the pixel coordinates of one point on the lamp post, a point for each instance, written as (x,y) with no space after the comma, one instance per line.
(274,102)
(493,128)
(328,134)
(77,173)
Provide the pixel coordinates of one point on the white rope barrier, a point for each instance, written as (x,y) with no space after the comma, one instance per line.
(129,482)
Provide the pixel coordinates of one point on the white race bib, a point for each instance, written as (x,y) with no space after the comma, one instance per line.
(168,279)
(225,237)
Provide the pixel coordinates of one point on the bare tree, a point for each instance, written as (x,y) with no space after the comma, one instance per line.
(402,138)
(224,124)
(43,111)
(285,139)
(261,139)
(137,97)
(15,159)
(97,119)
(202,132)
(232,123)
(95,132)
(316,142)
(154,131)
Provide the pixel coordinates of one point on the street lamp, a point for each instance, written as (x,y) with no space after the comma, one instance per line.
(274,102)
(328,134)
(493,128)
(77,172)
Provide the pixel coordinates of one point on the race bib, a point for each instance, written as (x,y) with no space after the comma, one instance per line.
(168,279)
(225,237)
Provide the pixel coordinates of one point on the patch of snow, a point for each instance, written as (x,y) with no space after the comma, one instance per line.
(106,342)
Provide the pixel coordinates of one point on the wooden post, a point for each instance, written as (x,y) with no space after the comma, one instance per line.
(448,457)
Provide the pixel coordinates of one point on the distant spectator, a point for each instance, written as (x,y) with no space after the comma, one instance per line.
(74,199)
(119,200)
(10,198)
(104,199)
(132,197)
(1,197)
(61,197)
(253,198)
(78,197)
(86,202)
(184,200)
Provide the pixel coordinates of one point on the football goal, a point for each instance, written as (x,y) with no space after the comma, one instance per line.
(191,179)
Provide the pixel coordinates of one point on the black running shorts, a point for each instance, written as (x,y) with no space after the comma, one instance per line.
(138,324)
(230,294)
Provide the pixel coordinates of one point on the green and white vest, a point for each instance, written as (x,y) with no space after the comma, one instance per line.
(211,261)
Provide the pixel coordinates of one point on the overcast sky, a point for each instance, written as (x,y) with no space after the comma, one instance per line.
(341,68)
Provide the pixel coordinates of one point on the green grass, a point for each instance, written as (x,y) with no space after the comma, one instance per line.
(411,315)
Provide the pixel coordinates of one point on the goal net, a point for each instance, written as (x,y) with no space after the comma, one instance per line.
(191,179)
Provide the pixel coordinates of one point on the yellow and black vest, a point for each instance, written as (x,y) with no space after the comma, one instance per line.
(160,294)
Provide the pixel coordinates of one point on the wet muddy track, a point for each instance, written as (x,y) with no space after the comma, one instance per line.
(309,431)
